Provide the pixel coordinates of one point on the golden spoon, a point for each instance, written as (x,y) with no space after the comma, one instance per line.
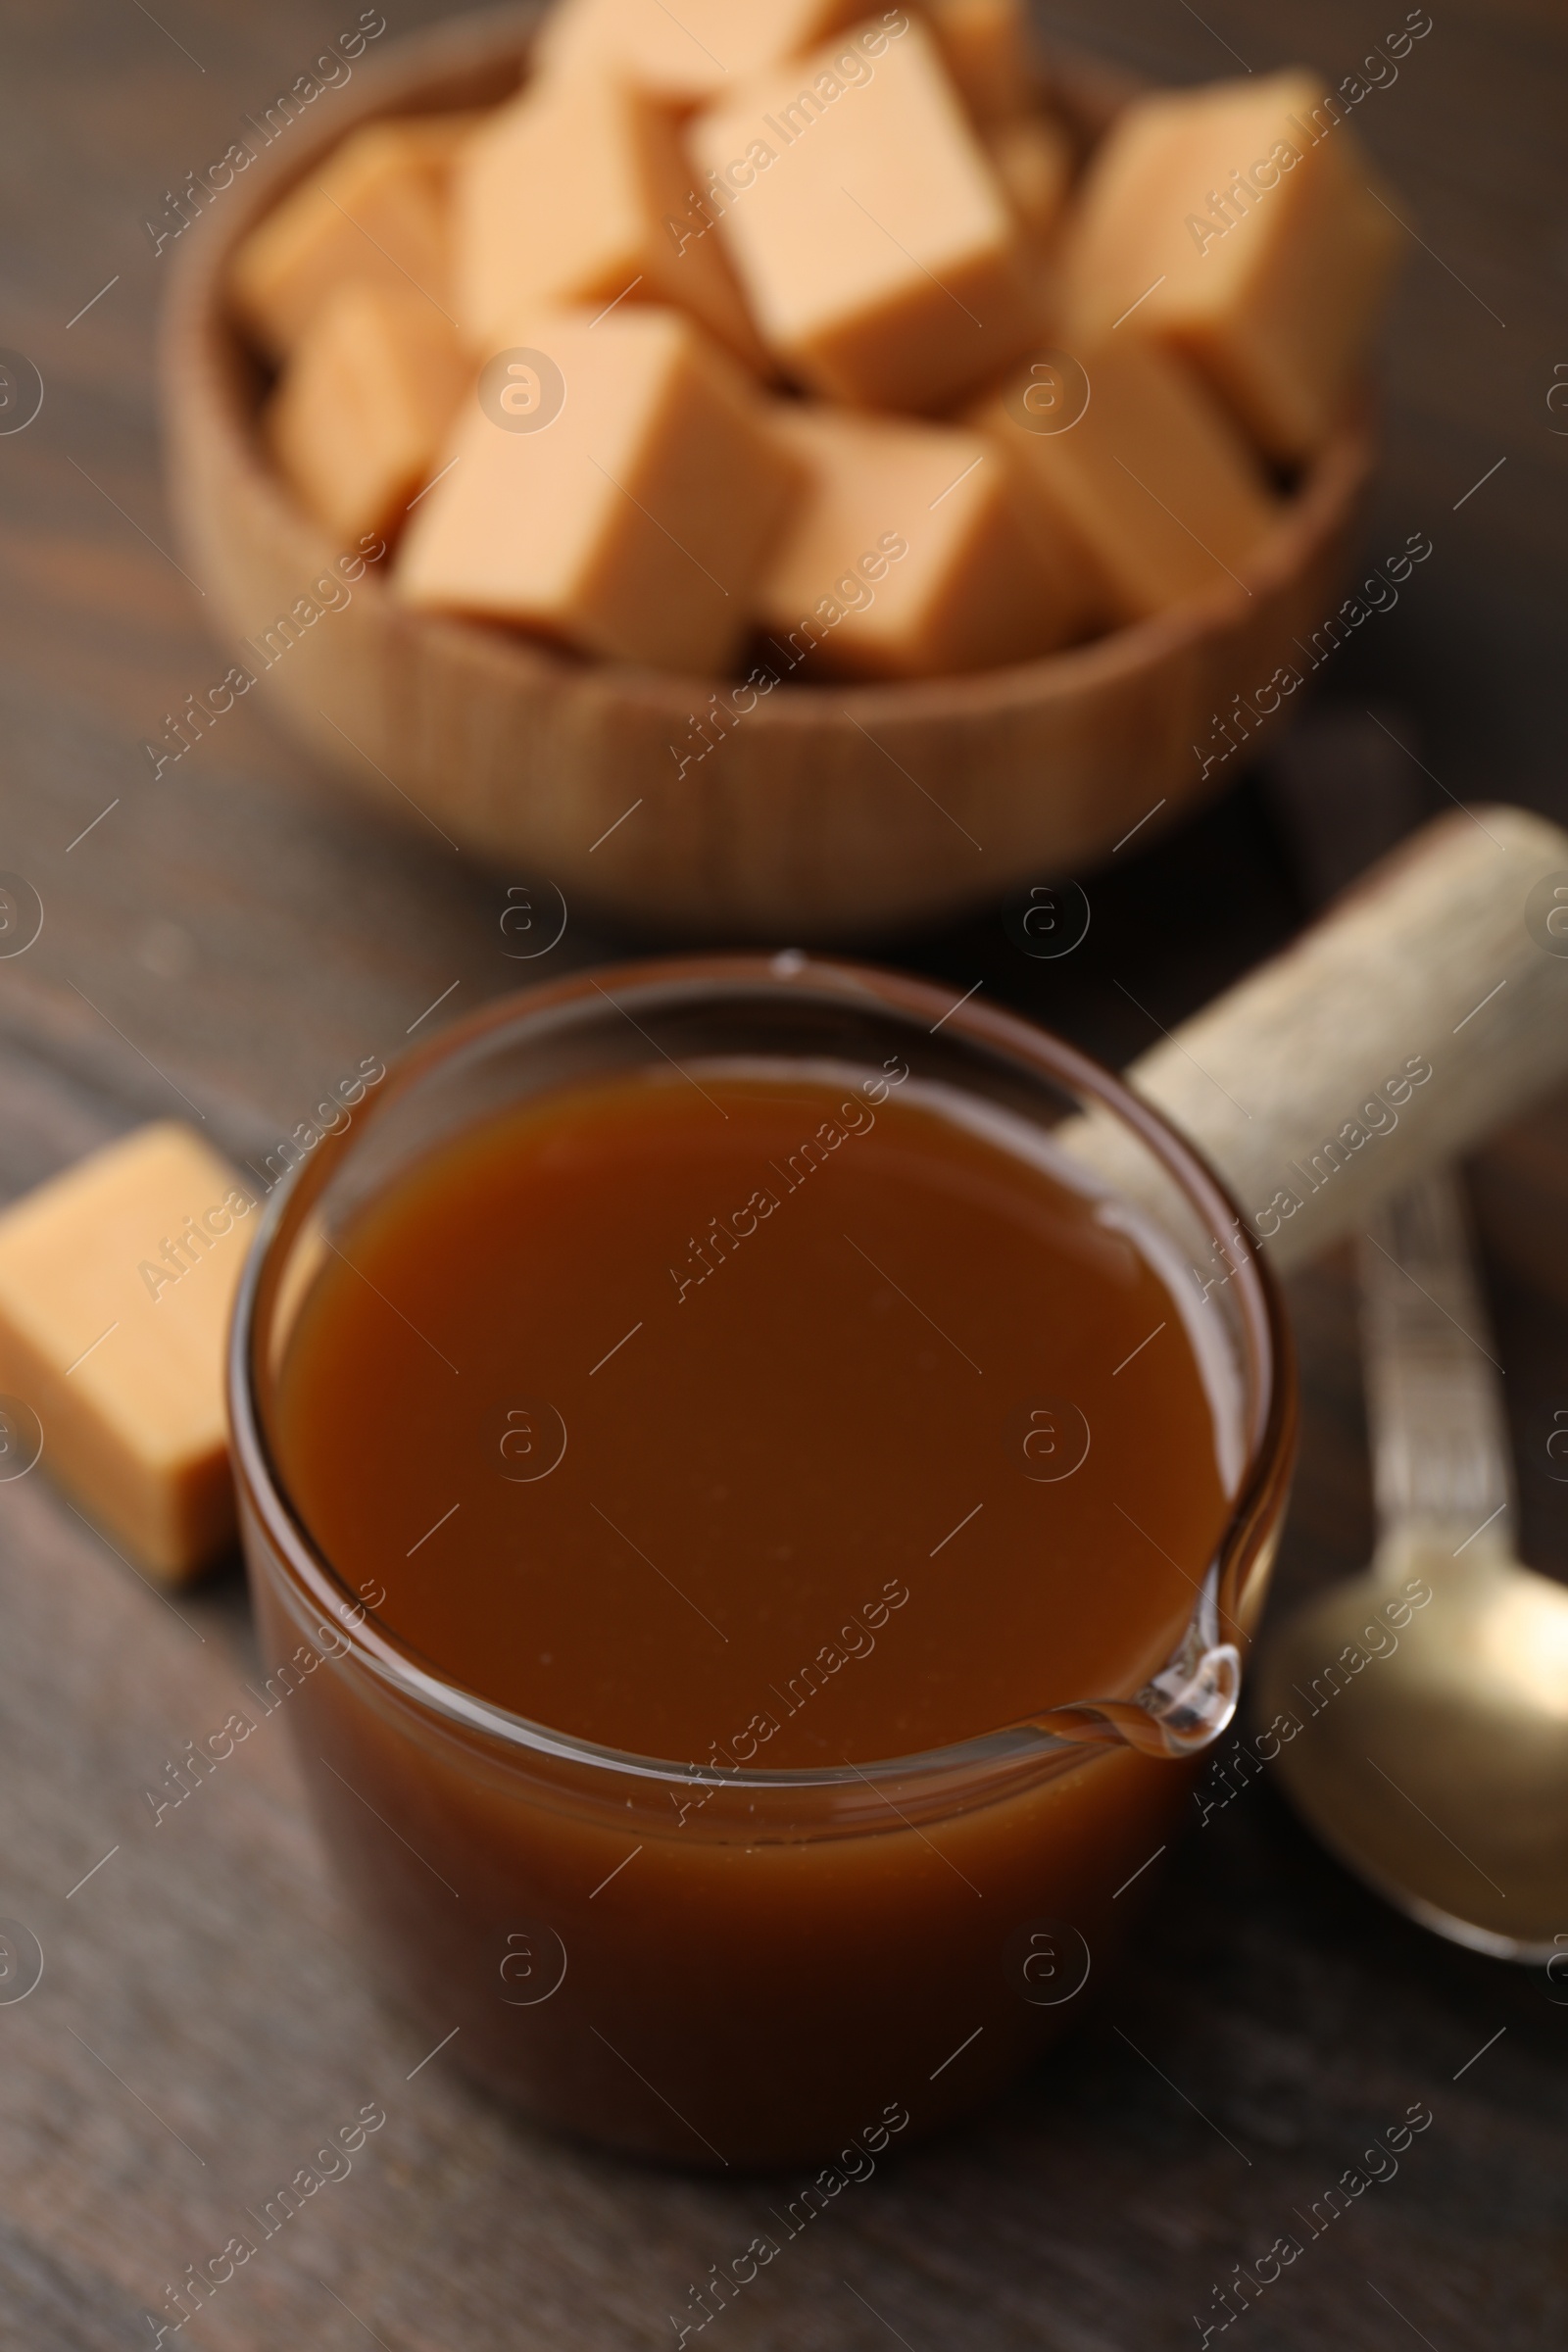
(1431,1695)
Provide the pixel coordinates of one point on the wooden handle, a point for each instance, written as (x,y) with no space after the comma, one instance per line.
(1426,1007)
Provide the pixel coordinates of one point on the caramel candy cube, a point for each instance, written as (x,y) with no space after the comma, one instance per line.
(1233,224)
(691,51)
(986,45)
(870,233)
(580,193)
(905,557)
(373,210)
(1153,481)
(117,1282)
(625,508)
(364,403)
(1033,158)
(440,141)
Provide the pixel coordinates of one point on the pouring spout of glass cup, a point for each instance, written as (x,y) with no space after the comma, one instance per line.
(1428,1005)
(1426,992)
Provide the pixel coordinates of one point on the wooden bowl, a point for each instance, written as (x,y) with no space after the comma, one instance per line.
(829,810)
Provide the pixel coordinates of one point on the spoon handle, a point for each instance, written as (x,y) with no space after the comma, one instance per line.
(1439,1442)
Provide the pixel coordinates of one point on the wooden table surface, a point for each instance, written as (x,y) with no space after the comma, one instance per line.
(233,936)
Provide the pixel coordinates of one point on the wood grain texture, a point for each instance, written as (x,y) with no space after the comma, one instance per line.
(1420,1015)
(238,932)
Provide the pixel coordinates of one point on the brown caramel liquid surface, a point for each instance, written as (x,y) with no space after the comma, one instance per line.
(793,1522)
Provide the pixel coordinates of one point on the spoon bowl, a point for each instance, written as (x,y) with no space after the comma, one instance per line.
(1432,1759)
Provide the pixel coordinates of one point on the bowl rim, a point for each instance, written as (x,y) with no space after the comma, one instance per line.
(1036,1054)
(209,362)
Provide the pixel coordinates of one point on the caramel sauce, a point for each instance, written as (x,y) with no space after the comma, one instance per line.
(742,1419)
